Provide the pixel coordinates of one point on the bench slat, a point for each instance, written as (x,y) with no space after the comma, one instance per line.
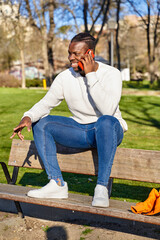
(77,202)
(132,164)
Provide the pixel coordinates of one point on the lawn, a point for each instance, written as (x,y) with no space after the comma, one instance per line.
(143,85)
(141,113)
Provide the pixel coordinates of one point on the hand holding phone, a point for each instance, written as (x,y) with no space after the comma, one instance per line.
(80,64)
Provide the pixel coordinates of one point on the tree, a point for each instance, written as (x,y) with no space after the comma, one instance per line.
(7,51)
(133,52)
(41,17)
(93,15)
(118,4)
(15,25)
(88,13)
(98,12)
(151,20)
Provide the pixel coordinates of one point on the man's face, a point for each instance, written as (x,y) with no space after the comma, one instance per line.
(76,50)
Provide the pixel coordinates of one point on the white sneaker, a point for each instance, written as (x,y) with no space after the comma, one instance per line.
(51,190)
(101,198)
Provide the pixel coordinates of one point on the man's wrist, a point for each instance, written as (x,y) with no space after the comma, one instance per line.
(27,115)
(91,78)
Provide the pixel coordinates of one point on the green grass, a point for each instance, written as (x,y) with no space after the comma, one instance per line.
(87,231)
(142,85)
(143,118)
(141,113)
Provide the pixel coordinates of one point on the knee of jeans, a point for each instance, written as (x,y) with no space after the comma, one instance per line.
(107,121)
(39,125)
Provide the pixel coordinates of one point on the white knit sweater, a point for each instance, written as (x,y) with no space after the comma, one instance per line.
(88,98)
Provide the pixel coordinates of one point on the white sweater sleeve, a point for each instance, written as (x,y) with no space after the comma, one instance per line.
(52,99)
(106,91)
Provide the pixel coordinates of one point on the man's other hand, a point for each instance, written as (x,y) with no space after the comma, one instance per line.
(25,122)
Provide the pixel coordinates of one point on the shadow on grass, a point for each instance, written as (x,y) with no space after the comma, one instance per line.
(85,184)
(79,183)
(134,193)
(147,106)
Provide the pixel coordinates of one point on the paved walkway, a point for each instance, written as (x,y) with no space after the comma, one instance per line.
(138,92)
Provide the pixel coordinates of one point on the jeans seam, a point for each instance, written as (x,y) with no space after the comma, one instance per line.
(111,157)
(114,147)
(60,124)
(86,130)
(121,132)
(54,177)
(45,155)
(48,169)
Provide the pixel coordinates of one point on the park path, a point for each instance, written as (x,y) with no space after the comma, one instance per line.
(138,92)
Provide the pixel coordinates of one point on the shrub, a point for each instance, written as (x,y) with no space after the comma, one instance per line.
(34,83)
(7,80)
(142,85)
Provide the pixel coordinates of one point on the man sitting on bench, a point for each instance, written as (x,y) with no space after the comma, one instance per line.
(92,91)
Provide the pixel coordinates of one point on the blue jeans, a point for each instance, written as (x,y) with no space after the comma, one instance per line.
(105,135)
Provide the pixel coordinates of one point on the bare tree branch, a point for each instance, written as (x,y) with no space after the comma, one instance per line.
(131,2)
(85,12)
(98,15)
(104,19)
(147,21)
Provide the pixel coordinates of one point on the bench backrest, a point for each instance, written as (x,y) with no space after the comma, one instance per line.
(132,164)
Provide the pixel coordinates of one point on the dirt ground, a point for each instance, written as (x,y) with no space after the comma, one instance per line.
(13,227)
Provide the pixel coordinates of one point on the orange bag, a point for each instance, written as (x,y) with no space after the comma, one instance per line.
(150,206)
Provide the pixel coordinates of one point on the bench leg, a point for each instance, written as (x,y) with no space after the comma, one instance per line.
(12,181)
(15,175)
(109,187)
(6,172)
(19,209)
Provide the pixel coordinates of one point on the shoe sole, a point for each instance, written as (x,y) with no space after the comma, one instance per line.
(60,196)
(99,204)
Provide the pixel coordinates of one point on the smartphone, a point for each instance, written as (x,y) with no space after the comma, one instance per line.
(80,64)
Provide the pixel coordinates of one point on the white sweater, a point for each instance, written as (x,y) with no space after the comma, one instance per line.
(88,98)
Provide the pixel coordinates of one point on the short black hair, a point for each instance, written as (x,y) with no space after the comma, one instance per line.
(85,37)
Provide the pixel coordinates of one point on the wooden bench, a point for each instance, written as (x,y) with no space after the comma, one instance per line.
(133,164)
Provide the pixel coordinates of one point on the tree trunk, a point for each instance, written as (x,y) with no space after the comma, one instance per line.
(152,71)
(85,11)
(51,61)
(117,35)
(50,39)
(105,18)
(45,61)
(150,54)
(23,68)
